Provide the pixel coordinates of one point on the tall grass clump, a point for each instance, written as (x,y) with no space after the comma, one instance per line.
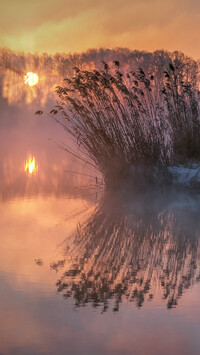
(138,119)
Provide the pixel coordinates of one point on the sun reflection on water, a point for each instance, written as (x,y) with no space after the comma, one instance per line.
(31,166)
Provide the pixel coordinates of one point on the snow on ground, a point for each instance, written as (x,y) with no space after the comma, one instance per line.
(186,175)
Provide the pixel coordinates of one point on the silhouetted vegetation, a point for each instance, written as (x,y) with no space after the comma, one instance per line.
(123,120)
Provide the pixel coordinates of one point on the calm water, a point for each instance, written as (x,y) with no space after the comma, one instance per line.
(82,271)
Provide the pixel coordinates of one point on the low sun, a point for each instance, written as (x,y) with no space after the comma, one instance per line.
(31,78)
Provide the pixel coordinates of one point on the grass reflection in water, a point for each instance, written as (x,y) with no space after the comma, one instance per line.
(132,246)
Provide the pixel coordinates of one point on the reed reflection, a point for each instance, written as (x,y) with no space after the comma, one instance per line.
(131,248)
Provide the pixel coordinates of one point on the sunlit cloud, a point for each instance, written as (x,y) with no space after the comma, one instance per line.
(76,26)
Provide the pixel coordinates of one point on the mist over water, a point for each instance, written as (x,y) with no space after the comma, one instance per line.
(86,269)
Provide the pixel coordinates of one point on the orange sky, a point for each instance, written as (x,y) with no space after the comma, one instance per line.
(76,25)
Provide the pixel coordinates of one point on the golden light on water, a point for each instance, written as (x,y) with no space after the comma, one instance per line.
(31,79)
(31,166)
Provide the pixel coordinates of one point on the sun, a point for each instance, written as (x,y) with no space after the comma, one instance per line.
(31,79)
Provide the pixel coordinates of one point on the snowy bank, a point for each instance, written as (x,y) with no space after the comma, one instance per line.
(186,175)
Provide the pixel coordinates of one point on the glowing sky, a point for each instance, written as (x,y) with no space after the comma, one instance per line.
(76,25)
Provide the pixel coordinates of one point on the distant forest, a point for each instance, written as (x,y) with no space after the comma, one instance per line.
(63,63)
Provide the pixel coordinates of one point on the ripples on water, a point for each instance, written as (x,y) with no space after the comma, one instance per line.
(82,271)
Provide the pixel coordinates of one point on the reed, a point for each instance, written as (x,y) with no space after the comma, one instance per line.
(134,122)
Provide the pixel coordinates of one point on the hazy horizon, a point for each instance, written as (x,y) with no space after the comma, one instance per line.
(98,49)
